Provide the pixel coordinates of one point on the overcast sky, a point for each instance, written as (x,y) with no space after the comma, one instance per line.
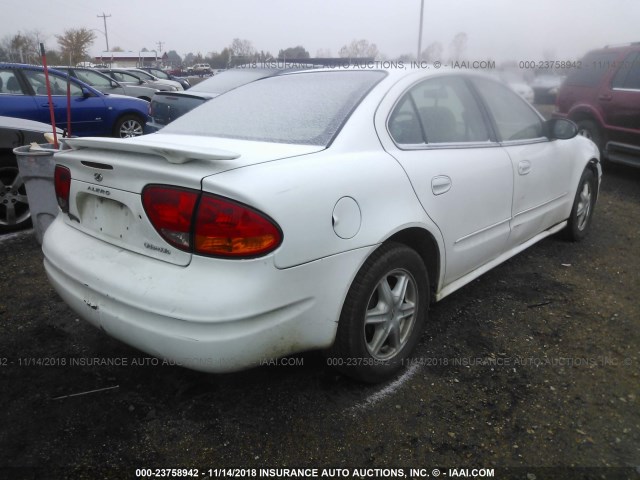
(497,29)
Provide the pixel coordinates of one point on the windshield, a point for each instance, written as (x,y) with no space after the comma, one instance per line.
(306,108)
(231,79)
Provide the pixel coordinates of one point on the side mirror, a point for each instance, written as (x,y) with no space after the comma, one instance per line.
(560,129)
(114,84)
(86,93)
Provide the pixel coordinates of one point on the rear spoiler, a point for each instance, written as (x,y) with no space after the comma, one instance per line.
(171,153)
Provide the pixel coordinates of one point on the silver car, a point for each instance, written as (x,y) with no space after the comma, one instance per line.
(126,77)
(105,84)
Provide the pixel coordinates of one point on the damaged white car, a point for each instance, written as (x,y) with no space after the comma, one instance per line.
(313,210)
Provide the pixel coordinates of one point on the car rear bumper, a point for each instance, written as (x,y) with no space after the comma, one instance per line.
(212,315)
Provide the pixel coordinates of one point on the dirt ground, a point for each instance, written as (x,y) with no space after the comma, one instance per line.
(532,370)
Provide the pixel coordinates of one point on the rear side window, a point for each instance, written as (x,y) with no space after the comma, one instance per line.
(9,83)
(593,69)
(438,110)
(305,108)
(514,119)
(628,75)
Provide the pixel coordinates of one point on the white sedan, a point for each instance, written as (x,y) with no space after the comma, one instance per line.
(314,210)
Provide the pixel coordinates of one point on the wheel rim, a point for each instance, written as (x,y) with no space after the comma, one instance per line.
(391,314)
(14,206)
(584,206)
(130,128)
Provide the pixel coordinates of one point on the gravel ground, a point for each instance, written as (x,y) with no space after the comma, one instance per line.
(535,364)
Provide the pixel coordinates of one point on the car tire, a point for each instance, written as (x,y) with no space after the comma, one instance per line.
(14,205)
(591,130)
(583,204)
(128,126)
(383,315)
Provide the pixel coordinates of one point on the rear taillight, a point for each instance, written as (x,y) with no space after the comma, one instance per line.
(62,184)
(170,210)
(229,229)
(221,227)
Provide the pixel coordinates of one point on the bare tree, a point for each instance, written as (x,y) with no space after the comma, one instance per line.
(359,49)
(75,43)
(242,48)
(432,53)
(294,53)
(23,48)
(458,46)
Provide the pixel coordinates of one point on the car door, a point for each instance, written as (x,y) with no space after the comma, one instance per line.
(620,102)
(438,133)
(15,100)
(541,168)
(88,112)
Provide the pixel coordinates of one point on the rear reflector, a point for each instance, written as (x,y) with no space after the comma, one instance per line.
(62,185)
(222,227)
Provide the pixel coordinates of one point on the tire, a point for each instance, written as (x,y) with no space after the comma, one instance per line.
(583,206)
(374,340)
(14,205)
(591,130)
(128,126)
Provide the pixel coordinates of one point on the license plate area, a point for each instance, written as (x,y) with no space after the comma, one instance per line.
(105,216)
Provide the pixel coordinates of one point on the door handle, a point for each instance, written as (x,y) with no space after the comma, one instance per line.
(440,184)
(524,167)
(605,97)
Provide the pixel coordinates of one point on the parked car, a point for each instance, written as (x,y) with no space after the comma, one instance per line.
(14,205)
(163,74)
(546,86)
(167,106)
(108,85)
(517,84)
(236,235)
(23,94)
(603,98)
(128,78)
(152,79)
(201,69)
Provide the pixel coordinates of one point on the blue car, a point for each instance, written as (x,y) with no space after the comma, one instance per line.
(23,94)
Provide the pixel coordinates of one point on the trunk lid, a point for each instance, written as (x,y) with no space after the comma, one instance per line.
(109,175)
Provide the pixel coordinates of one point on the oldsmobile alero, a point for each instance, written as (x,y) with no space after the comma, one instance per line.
(313,210)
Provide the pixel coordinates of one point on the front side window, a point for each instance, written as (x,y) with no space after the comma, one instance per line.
(301,108)
(513,117)
(438,110)
(58,84)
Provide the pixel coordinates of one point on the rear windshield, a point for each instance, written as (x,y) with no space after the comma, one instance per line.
(302,108)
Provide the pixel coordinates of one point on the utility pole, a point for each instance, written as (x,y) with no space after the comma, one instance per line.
(420,31)
(106,37)
(159,44)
